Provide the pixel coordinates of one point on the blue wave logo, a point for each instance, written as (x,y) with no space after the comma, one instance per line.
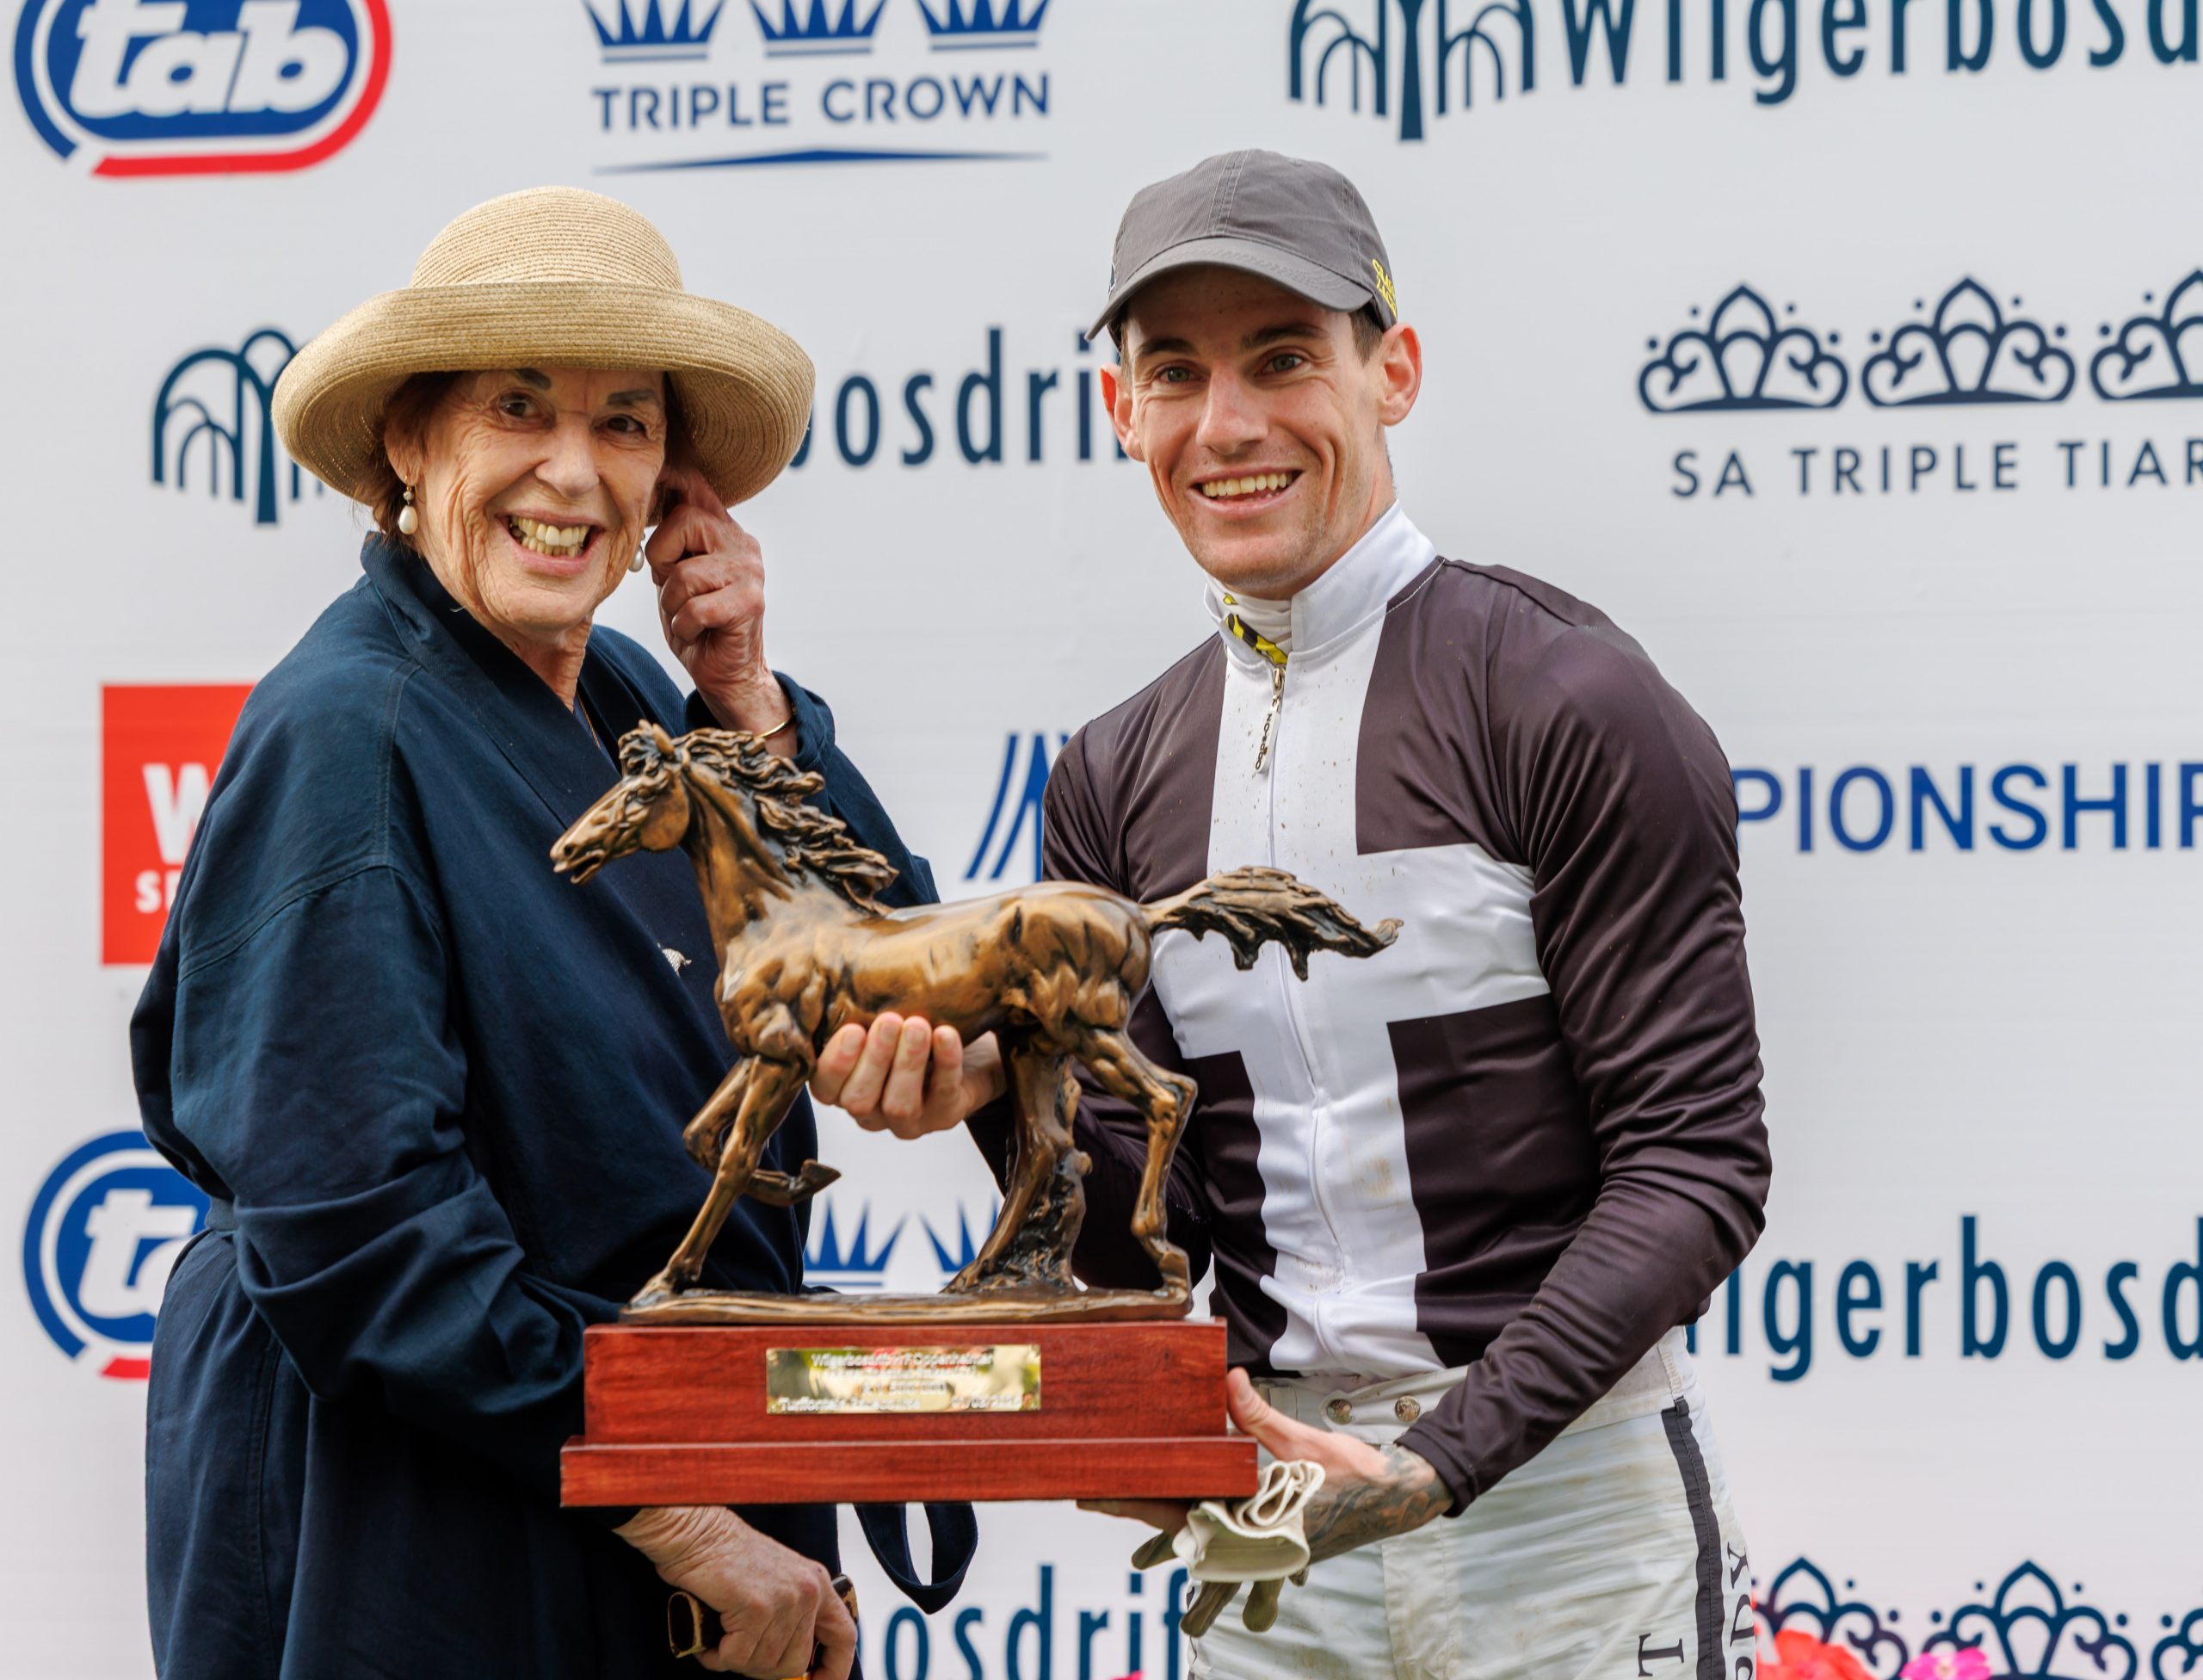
(2154,355)
(134,88)
(1743,358)
(1016,812)
(105,1230)
(1968,352)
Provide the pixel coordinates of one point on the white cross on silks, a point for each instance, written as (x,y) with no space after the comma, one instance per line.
(1336,1207)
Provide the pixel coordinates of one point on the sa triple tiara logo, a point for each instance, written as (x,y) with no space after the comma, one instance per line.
(123,87)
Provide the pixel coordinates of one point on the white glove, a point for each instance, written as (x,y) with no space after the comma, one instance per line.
(1258,1539)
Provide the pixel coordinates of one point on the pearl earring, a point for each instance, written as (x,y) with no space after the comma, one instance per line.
(409,520)
(636,564)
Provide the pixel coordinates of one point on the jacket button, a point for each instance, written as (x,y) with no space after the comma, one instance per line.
(1407,1408)
(1339,1409)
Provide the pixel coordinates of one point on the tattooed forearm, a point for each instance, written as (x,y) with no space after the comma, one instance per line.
(1348,1514)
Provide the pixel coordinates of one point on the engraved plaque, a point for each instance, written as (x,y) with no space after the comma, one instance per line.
(1003,1378)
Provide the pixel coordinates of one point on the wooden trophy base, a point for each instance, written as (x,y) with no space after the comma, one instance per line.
(713,1415)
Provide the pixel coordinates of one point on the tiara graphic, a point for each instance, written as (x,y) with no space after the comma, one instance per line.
(647,36)
(1742,358)
(1968,352)
(2027,1629)
(955,1256)
(969,25)
(2154,356)
(858,1266)
(2184,1643)
(2029,1621)
(817,29)
(1801,1596)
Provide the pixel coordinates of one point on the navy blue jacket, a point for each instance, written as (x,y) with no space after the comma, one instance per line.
(443,1089)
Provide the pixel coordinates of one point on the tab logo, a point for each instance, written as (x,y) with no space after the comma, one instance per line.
(105,1230)
(159,750)
(200,87)
(1017,809)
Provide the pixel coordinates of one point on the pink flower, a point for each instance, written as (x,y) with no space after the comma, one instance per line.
(1963,1662)
(1799,1656)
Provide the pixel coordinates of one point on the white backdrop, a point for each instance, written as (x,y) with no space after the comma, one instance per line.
(1978,1027)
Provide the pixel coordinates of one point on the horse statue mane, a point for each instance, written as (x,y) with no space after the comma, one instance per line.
(808,838)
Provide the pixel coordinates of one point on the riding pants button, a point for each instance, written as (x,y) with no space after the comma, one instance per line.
(1339,1409)
(1407,1408)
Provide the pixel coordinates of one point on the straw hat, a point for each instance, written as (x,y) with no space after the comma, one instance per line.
(553,277)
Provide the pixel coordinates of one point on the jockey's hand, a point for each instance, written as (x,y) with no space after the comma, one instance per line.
(711,604)
(1369,1492)
(906,1077)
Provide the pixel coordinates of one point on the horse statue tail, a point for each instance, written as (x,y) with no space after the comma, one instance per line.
(1252,907)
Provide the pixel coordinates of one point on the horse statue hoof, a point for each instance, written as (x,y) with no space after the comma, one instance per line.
(779,1189)
(657,1292)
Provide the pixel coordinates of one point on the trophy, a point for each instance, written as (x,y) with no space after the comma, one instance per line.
(1014,1382)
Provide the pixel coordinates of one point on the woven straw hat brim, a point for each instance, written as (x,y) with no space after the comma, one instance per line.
(744,386)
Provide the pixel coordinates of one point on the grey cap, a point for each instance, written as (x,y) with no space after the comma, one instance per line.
(1300,224)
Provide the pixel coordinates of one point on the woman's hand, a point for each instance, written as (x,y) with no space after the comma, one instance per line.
(711,603)
(905,1076)
(1368,1492)
(778,1607)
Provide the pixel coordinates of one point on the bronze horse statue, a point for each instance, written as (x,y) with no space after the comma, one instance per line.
(805,948)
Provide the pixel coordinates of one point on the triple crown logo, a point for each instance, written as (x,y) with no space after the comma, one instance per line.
(211,87)
(671,31)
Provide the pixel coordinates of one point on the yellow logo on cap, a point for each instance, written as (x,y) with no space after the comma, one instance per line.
(1384,287)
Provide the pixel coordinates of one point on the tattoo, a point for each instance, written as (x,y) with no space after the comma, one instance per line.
(1345,1514)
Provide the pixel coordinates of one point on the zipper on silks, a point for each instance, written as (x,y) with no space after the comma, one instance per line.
(1276,658)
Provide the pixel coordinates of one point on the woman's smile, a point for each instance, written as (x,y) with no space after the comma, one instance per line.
(562,547)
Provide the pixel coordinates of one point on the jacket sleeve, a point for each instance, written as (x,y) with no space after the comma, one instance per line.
(312,1062)
(846,793)
(1623,807)
(1073,847)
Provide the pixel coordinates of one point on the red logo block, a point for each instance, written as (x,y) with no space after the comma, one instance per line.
(160,748)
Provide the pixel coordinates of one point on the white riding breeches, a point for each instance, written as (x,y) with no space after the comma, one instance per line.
(1611,1555)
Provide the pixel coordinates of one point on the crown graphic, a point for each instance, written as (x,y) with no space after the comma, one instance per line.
(1743,358)
(968,25)
(856,1267)
(955,1256)
(2149,358)
(1968,352)
(642,32)
(818,28)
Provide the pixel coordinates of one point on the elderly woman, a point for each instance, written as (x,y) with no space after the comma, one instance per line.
(434,1093)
